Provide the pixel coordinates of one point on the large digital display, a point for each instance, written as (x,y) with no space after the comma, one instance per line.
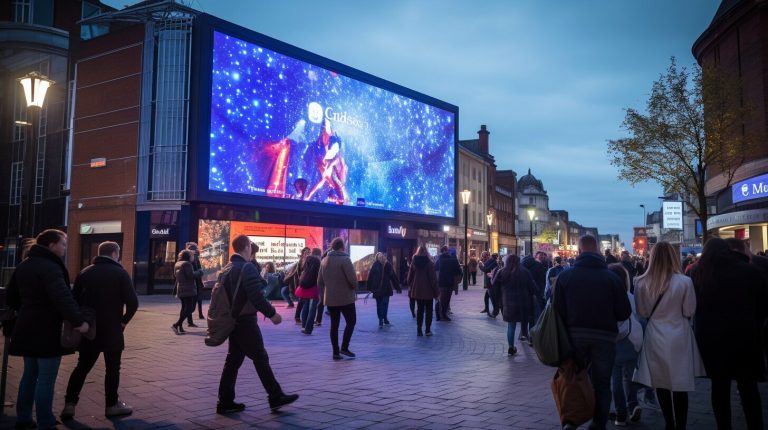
(284,128)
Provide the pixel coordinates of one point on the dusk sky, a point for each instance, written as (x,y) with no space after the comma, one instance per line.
(550,79)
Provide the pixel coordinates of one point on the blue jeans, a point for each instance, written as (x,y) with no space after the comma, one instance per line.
(36,387)
(599,355)
(382,305)
(624,390)
(286,295)
(308,313)
(511,332)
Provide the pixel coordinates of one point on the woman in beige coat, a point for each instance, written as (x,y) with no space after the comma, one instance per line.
(669,360)
(338,282)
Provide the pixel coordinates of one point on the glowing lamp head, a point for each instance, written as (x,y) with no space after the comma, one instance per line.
(489,218)
(531,214)
(35,87)
(465,196)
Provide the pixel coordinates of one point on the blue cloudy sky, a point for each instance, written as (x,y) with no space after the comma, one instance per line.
(549,78)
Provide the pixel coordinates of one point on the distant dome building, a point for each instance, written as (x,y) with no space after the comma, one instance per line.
(531,195)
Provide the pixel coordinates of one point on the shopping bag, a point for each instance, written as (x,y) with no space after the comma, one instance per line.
(573,394)
(550,338)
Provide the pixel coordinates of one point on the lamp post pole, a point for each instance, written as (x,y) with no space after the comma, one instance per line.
(489,218)
(465,195)
(645,219)
(531,215)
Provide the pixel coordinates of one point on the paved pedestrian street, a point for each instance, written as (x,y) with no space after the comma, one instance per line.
(460,378)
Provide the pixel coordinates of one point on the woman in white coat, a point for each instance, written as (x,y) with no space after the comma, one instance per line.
(669,360)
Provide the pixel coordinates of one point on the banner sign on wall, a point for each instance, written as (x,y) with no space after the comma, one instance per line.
(672,215)
(750,189)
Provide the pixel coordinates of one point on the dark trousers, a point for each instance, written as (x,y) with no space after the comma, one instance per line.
(674,407)
(599,355)
(422,307)
(750,401)
(85,362)
(473,277)
(246,341)
(199,302)
(299,306)
(445,302)
(490,299)
(412,306)
(187,306)
(350,319)
(320,308)
(382,306)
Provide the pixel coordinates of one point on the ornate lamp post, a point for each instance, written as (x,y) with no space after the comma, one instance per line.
(35,88)
(489,218)
(645,219)
(531,215)
(465,195)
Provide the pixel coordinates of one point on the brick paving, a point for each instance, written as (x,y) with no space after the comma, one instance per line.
(461,378)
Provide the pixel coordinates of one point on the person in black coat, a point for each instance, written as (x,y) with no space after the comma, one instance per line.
(539,272)
(39,292)
(731,301)
(198,268)
(488,263)
(516,287)
(448,271)
(381,280)
(106,288)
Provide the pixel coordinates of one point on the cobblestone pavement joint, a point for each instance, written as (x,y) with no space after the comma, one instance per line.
(460,378)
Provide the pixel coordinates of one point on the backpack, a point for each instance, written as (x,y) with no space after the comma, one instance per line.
(222,317)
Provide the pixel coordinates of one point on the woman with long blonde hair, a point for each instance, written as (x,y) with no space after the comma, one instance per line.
(669,360)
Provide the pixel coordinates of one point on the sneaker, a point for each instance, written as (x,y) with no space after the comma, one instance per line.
(177,329)
(511,350)
(68,412)
(118,409)
(620,422)
(337,356)
(200,317)
(282,400)
(419,333)
(298,321)
(635,415)
(386,322)
(193,325)
(348,353)
(229,408)
(484,311)
(305,331)
(381,323)
(428,333)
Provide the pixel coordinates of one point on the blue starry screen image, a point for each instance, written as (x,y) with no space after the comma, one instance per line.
(284,128)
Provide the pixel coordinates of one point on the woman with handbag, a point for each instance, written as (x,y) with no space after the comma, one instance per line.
(516,287)
(669,360)
(731,310)
(381,279)
(186,289)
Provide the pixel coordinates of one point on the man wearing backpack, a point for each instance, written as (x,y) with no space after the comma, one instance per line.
(245,339)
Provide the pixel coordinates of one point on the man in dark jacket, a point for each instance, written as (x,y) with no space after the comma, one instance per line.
(626,261)
(245,339)
(488,263)
(538,270)
(591,300)
(106,288)
(39,292)
(197,268)
(448,270)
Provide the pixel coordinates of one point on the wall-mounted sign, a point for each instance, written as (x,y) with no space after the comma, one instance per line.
(755,216)
(401,231)
(99,162)
(162,231)
(672,215)
(750,189)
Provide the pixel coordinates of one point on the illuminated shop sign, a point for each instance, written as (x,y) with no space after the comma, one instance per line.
(287,129)
(750,189)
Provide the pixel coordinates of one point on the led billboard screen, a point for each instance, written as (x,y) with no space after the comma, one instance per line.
(284,128)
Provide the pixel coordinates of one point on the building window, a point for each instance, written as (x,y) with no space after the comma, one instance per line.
(89,31)
(42,131)
(530,200)
(17,171)
(22,11)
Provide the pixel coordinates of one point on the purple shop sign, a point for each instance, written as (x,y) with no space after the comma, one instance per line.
(750,189)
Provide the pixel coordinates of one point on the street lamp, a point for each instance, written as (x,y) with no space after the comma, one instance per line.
(489,218)
(465,195)
(35,88)
(531,215)
(645,219)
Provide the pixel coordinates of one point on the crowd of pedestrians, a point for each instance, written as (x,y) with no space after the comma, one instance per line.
(639,327)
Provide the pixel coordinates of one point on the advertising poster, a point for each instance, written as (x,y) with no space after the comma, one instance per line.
(278,243)
(287,129)
(213,240)
(672,215)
